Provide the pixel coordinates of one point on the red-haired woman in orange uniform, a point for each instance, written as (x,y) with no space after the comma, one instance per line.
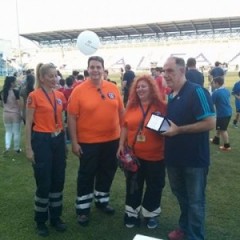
(45,148)
(144,99)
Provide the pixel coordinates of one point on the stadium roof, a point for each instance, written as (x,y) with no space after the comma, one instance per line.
(161,29)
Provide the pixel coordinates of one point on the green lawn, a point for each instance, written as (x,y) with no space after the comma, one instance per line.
(17,188)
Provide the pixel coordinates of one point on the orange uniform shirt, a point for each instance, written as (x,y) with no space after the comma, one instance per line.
(97,112)
(153,147)
(44,117)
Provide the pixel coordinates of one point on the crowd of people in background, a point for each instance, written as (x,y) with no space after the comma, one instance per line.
(99,118)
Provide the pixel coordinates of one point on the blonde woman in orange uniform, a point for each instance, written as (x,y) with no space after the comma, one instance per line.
(45,148)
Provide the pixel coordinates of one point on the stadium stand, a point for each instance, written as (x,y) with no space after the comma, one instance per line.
(207,40)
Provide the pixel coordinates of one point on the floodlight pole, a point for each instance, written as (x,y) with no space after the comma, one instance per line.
(18,35)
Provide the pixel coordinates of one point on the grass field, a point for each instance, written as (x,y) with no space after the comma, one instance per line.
(17,188)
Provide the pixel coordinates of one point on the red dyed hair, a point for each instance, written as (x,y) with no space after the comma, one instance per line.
(156,98)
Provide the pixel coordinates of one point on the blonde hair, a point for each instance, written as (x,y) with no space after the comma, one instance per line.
(41,70)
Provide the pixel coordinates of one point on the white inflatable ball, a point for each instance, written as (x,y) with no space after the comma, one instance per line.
(88,42)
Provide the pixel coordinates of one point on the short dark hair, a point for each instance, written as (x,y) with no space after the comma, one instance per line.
(159,69)
(69,80)
(62,82)
(179,61)
(96,58)
(80,77)
(75,73)
(219,80)
(85,73)
(191,62)
(128,67)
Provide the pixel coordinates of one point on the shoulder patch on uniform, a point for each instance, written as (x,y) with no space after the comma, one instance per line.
(111,95)
(59,101)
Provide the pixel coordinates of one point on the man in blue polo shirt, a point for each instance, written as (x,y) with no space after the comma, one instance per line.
(192,116)
(192,74)
(217,71)
(128,78)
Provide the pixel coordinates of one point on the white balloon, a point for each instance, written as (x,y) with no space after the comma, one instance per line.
(88,42)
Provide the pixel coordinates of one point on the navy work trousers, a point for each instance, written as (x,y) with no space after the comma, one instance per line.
(49,173)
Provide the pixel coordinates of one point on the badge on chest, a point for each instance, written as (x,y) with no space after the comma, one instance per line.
(141,137)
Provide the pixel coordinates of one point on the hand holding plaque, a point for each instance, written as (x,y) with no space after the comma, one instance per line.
(158,123)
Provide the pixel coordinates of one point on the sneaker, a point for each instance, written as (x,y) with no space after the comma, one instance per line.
(215,140)
(225,149)
(19,150)
(42,230)
(83,220)
(129,225)
(59,225)
(131,222)
(106,209)
(235,125)
(177,234)
(152,223)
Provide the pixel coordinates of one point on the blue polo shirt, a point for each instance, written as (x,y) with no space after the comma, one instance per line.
(128,76)
(217,72)
(236,91)
(193,103)
(195,76)
(221,100)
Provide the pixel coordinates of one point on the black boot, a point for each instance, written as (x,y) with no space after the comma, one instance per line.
(42,230)
(58,224)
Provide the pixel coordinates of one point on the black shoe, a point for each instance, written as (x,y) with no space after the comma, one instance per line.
(83,220)
(18,151)
(106,209)
(131,222)
(59,225)
(215,140)
(42,230)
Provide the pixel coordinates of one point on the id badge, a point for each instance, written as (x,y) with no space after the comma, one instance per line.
(141,138)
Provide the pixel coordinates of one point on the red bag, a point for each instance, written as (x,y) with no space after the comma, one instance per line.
(128,161)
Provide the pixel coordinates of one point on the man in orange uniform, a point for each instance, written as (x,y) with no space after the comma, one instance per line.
(95,110)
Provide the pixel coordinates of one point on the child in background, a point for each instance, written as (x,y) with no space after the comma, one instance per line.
(236,94)
(221,100)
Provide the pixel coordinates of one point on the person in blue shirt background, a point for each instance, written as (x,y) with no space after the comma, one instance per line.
(236,94)
(221,99)
(192,74)
(217,71)
(128,78)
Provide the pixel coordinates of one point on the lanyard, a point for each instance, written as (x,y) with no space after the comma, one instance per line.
(54,104)
(140,128)
(144,114)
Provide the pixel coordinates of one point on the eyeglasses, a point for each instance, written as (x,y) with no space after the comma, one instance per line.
(101,93)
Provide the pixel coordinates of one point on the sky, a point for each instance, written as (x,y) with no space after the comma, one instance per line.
(28,16)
